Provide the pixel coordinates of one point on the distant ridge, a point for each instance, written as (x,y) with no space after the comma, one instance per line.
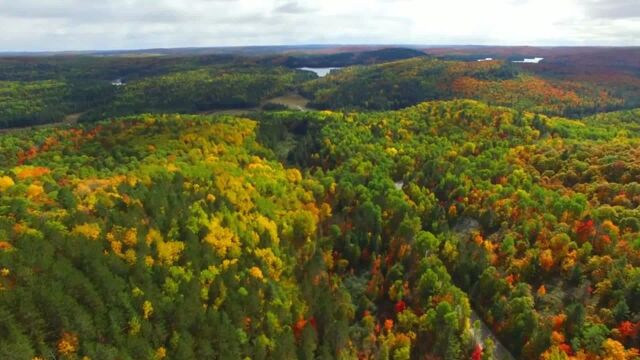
(224,50)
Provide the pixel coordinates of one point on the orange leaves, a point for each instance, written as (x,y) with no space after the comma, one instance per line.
(68,344)
(532,93)
(558,321)
(478,239)
(565,348)
(542,291)
(26,155)
(585,230)
(299,326)
(388,325)
(546,260)
(610,229)
(557,337)
(31,172)
(453,211)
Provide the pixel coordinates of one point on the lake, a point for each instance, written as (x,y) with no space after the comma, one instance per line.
(321,72)
(535,60)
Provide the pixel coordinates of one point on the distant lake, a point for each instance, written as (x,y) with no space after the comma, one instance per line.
(535,60)
(322,72)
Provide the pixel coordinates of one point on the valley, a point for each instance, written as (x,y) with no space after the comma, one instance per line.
(415,204)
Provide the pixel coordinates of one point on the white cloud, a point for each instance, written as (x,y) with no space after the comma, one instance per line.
(116,24)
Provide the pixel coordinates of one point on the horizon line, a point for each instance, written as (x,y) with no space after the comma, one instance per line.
(390,45)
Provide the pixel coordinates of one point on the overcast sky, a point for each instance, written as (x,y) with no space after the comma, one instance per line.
(27,25)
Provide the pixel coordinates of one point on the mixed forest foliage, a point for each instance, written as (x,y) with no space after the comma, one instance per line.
(322,235)
(37,91)
(349,233)
(200,90)
(342,59)
(404,83)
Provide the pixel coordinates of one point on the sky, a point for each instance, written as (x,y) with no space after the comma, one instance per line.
(52,25)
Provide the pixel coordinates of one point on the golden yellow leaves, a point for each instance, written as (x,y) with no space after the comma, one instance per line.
(325,211)
(34,191)
(90,231)
(147,309)
(168,251)
(269,227)
(224,241)
(294,175)
(256,273)
(614,350)
(161,353)
(274,264)
(134,326)
(239,192)
(148,261)
(119,237)
(5,183)
(68,344)
(391,151)
(130,237)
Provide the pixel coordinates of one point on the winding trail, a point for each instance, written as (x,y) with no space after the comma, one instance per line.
(464,228)
(293,101)
(70,119)
(500,352)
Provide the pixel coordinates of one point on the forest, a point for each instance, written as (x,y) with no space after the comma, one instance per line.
(430,208)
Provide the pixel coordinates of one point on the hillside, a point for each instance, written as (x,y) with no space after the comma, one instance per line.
(321,234)
(342,59)
(538,88)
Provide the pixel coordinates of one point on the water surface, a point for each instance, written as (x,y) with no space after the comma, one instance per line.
(321,72)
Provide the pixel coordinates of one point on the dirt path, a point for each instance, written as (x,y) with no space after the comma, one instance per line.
(464,228)
(500,352)
(70,119)
(293,101)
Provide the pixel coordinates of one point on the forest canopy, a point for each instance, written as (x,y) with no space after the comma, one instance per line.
(431,208)
(321,234)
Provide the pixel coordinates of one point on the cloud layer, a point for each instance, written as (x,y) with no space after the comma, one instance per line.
(29,25)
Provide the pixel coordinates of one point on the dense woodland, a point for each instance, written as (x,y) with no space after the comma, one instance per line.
(403,83)
(336,234)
